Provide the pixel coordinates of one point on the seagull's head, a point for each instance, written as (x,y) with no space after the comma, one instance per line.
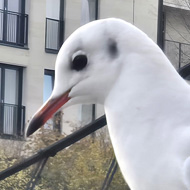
(87,66)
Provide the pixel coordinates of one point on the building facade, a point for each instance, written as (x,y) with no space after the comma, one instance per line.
(31,33)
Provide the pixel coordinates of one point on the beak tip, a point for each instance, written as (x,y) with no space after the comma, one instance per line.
(34,124)
(28,133)
(46,112)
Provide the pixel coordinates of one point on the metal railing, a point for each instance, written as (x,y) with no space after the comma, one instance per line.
(13,28)
(12,120)
(54,35)
(178,53)
(50,151)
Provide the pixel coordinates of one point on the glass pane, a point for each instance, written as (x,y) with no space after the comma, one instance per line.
(86,114)
(10,100)
(52,9)
(48,86)
(1,25)
(11,86)
(13,5)
(92,9)
(1,4)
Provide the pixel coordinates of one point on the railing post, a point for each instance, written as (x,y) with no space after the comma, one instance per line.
(23,121)
(1,117)
(61,23)
(179,55)
(61,33)
(21,28)
(4,26)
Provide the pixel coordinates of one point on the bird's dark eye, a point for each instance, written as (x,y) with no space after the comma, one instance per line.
(79,62)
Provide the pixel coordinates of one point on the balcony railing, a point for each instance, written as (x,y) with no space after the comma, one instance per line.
(13,28)
(178,53)
(54,35)
(12,119)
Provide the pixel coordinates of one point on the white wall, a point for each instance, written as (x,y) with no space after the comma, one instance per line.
(121,9)
(141,14)
(146,17)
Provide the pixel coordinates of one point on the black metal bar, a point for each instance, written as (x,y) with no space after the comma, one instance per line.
(22,6)
(4,25)
(108,174)
(2,98)
(1,118)
(112,175)
(179,55)
(51,150)
(160,30)
(46,34)
(93,112)
(21,28)
(61,23)
(96,10)
(36,175)
(182,43)
(23,121)
(26,29)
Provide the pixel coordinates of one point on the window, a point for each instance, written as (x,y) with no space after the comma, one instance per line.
(89,11)
(93,9)
(88,113)
(49,76)
(48,83)
(13,23)
(54,25)
(11,111)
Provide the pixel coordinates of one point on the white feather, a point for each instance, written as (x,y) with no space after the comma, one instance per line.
(146,102)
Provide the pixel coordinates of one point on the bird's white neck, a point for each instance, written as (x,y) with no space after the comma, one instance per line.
(146,88)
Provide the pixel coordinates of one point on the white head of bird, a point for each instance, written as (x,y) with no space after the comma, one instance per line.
(111,62)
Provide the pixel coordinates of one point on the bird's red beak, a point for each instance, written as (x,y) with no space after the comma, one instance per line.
(46,112)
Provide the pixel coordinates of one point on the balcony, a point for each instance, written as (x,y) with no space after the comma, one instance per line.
(12,120)
(178,53)
(54,35)
(13,28)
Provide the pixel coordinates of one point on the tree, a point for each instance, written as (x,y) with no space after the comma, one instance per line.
(83,165)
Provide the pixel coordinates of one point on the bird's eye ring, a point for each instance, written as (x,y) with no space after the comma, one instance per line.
(79,62)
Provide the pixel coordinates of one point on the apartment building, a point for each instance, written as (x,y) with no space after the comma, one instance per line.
(31,33)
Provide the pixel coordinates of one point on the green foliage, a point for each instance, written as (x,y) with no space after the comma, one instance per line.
(9,155)
(82,166)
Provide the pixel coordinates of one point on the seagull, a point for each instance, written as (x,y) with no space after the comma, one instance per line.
(146,102)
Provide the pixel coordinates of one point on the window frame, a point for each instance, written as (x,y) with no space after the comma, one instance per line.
(18,132)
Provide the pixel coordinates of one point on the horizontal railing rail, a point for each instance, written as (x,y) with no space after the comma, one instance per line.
(12,120)
(13,28)
(178,53)
(53,149)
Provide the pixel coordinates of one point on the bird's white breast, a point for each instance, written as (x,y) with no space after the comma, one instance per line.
(145,122)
